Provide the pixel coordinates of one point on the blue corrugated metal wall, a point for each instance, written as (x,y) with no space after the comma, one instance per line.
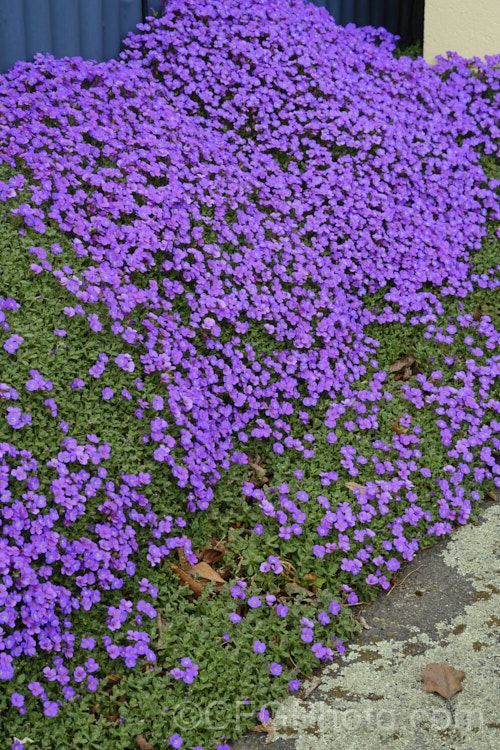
(402,17)
(92,29)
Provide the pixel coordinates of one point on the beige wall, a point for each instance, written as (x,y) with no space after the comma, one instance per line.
(469,27)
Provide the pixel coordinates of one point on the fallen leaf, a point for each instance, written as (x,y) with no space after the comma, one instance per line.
(294,588)
(183,561)
(407,373)
(214,552)
(364,623)
(113,679)
(257,474)
(402,364)
(353,485)
(162,625)
(185,578)
(399,430)
(491,494)
(310,577)
(142,743)
(477,314)
(267,727)
(205,571)
(443,679)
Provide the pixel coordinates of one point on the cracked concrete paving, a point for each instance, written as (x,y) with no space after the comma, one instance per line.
(446,609)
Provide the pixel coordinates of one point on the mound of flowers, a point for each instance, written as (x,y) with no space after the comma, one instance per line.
(244,284)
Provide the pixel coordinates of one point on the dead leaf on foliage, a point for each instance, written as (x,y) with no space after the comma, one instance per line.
(398,430)
(294,588)
(207,572)
(215,552)
(183,561)
(353,485)
(142,743)
(225,572)
(492,495)
(257,472)
(185,578)
(443,679)
(402,364)
(404,368)
(477,314)
(311,577)
(210,555)
(113,679)
(162,625)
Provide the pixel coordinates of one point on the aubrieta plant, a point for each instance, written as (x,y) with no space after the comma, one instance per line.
(247,319)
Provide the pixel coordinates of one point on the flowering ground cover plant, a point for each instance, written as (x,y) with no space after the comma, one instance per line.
(249,285)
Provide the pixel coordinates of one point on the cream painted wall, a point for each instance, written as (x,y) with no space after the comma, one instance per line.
(469,27)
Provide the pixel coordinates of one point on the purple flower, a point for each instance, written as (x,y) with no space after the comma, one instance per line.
(259,647)
(334,608)
(50,708)
(275,668)
(307,635)
(12,343)
(263,715)
(254,602)
(294,685)
(175,740)
(282,610)
(17,700)
(125,362)
(36,689)
(79,674)
(107,393)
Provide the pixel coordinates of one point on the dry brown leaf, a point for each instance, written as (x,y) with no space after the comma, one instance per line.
(402,364)
(267,727)
(214,553)
(294,588)
(477,314)
(113,679)
(443,679)
(185,578)
(205,571)
(354,485)
(183,561)
(162,625)
(397,429)
(364,623)
(407,373)
(310,577)
(492,495)
(142,743)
